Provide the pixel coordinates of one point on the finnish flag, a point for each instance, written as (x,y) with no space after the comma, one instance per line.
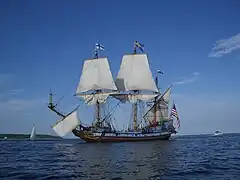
(99,46)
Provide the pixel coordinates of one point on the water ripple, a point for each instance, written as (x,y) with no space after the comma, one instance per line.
(189,157)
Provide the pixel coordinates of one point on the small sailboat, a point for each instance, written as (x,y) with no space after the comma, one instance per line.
(217,133)
(33,133)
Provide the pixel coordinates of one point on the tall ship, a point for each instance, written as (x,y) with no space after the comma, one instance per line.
(150,115)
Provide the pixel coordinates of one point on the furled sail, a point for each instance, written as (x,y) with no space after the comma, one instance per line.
(96,75)
(66,124)
(132,98)
(159,111)
(91,99)
(135,74)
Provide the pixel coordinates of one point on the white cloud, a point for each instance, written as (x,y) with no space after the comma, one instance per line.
(16,91)
(190,79)
(18,115)
(8,87)
(22,104)
(225,46)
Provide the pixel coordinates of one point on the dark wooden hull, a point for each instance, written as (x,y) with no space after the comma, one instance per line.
(110,139)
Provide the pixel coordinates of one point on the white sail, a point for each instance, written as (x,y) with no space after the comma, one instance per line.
(33,134)
(96,75)
(166,95)
(161,108)
(135,74)
(161,112)
(66,125)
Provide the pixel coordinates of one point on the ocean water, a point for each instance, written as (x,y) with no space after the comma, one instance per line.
(186,157)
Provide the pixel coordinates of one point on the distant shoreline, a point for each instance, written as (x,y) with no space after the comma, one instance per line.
(26,136)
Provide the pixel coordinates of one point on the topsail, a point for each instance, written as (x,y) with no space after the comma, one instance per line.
(135,74)
(96,75)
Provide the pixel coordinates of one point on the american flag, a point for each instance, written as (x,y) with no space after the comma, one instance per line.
(175,114)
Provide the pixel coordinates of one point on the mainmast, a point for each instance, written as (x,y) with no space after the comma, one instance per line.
(98,107)
(135,105)
(135,111)
(135,76)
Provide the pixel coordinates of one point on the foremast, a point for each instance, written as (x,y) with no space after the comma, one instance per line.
(96,83)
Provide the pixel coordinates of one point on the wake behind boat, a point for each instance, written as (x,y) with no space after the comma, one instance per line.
(218,133)
(134,85)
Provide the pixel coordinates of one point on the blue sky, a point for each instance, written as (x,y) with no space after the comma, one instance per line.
(43,44)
